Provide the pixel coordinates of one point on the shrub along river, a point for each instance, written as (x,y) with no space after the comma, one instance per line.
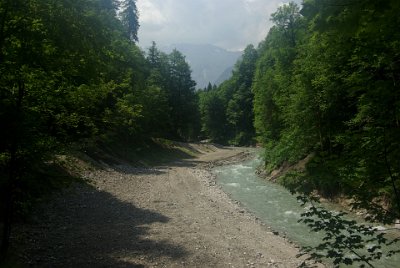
(273,204)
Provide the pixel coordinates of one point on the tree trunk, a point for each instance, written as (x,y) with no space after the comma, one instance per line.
(14,170)
(8,210)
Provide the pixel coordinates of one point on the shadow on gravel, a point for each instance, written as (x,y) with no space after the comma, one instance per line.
(91,228)
(131,170)
(180,163)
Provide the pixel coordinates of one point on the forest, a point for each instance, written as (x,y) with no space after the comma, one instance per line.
(72,77)
(323,84)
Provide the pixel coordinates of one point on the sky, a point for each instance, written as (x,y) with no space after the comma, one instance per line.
(229,24)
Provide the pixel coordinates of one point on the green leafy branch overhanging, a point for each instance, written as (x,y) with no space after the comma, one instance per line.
(345,241)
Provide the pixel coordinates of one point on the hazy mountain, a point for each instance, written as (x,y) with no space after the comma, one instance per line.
(209,63)
(224,76)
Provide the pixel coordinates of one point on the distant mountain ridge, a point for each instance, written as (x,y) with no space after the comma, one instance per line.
(209,63)
(225,75)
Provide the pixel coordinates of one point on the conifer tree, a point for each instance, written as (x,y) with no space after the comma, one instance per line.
(130,18)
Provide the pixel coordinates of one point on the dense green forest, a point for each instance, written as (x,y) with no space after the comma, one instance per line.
(325,84)
(227,111)
(71,76)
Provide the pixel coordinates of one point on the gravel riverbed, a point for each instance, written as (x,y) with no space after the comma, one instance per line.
(172,215)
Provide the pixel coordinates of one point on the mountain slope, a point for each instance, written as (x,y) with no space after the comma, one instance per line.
(209,63)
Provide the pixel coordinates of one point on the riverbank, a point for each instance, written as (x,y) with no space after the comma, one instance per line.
(171,215)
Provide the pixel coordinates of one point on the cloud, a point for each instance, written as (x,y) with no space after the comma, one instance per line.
(231,24)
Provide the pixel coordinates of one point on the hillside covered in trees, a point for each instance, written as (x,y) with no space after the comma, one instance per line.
(71,76)
(324,84)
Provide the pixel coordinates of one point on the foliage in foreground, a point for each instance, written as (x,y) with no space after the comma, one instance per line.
(345,241)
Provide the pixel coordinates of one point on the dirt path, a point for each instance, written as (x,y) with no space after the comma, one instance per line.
(168,216)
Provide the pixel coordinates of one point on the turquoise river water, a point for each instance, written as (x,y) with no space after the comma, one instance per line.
(273,204)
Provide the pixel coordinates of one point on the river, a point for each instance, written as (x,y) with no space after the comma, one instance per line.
(273,204)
